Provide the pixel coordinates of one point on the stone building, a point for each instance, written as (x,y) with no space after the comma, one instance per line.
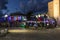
(54,8)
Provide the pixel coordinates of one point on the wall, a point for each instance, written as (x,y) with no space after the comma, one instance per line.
(50,9)
(53,9)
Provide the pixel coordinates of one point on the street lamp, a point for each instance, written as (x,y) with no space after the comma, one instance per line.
(39,15)
(6,15)
(36,16)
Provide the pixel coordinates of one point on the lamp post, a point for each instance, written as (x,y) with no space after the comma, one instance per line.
(5,16)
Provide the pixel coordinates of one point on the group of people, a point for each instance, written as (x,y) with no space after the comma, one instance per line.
(43,22)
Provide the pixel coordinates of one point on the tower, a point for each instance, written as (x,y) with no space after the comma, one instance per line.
(53,9)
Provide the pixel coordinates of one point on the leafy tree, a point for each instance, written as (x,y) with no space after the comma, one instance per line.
(3,6)
(29,14)
(1,14)
(17,13)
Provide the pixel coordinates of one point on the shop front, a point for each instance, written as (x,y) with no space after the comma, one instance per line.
(17,21)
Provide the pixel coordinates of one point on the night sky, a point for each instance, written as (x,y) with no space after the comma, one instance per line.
(26,5)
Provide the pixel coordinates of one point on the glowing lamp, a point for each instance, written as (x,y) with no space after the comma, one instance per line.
(6,16)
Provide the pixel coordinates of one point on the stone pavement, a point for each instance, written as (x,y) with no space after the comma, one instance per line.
(37,35)
(48,34)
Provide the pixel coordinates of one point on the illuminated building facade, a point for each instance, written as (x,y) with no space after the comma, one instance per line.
(53,9)
(50,9)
